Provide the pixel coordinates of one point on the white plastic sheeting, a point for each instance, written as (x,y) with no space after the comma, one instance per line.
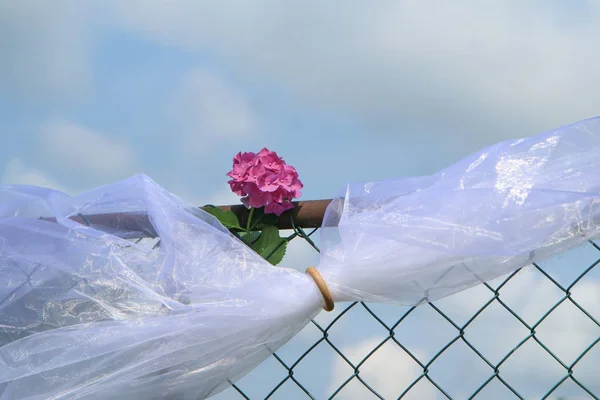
(86,312)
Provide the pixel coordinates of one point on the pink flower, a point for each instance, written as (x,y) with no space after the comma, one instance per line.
(290,182)
(295,188)
(264,180)
(278,208)
(256,198)
(269,182)
(237,187)
(254,173)
(248,159)
(287,179)
(280,195)
(242,162)
(270,160)
(290,170)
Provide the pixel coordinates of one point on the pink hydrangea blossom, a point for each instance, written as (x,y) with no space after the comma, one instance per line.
(265,180)
(278,208)
(269,182)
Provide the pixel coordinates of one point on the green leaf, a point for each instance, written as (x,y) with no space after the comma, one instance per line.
(261,220)
(270,245)
(227,218)
(250,238)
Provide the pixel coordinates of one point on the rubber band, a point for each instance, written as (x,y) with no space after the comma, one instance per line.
(322,285)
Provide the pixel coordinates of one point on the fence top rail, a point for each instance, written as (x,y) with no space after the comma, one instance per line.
(306,214)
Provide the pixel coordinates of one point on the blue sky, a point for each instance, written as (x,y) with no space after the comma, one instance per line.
(402,87)
(95,91)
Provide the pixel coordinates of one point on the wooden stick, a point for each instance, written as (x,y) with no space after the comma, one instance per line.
(306,214)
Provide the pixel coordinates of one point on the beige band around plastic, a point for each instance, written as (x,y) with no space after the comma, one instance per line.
(320,282)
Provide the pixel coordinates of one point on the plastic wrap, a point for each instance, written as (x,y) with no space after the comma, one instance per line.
(86,313)
(89,312)
(413,240)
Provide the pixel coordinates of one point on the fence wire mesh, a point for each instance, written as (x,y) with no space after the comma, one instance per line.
(533,334)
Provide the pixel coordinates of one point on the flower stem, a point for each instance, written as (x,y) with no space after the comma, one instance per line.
(248,224)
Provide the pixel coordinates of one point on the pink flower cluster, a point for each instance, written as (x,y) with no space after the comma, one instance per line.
(266,180)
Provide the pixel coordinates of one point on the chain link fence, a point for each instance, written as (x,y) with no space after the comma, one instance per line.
(533,334)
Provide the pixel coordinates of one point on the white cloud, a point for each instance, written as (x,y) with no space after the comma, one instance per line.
(208,109)
(44,47)
(15,172)
(81,150)
(567,332)
(530,370)
(497,70)
(222,197)
(389,371)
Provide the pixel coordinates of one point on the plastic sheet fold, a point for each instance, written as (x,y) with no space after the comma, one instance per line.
(88,311)
(411,240)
